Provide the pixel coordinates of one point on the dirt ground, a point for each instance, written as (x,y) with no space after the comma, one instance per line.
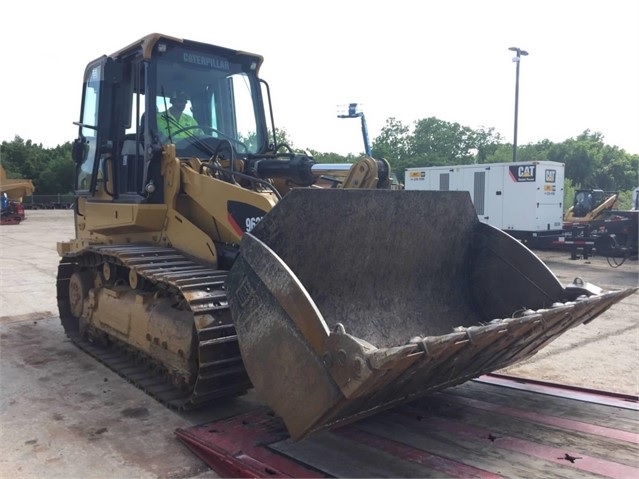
(603,354)
(64,415)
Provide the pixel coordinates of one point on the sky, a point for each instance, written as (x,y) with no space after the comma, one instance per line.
(402,59)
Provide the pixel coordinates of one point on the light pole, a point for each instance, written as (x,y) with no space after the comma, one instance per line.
(520,53)
(354,111)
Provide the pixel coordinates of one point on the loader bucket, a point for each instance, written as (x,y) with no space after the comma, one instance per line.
(347,302)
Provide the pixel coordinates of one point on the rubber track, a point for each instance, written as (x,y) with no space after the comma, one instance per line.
(221,371)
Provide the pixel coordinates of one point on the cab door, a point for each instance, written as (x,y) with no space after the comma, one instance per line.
(93,150)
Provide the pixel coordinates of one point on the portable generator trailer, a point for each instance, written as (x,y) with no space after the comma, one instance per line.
(524,199)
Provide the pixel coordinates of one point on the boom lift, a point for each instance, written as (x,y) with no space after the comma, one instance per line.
(207,260)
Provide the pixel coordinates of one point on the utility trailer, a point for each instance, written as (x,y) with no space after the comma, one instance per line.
(490,427)
(524,199)
(615,234)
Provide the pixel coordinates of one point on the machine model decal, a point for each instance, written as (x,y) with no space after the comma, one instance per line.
(243,217)
(523,173)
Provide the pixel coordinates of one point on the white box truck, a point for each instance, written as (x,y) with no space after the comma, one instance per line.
(525,199)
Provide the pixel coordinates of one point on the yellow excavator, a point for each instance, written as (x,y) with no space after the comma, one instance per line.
(210,259)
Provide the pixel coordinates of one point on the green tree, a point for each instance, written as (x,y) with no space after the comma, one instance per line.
(332,157)
(393,144)
(22,159)
(503,153)
(569,194)
(58,174)
(625,200)
(282,138)
(590,163)
(487,143)
(617,171)
(50,169)
(434,142)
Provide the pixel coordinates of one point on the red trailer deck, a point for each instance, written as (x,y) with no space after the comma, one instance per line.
(494,426)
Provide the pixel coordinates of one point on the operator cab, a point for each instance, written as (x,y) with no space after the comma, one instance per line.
(124,127)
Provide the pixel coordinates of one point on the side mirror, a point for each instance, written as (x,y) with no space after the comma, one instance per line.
(80,150)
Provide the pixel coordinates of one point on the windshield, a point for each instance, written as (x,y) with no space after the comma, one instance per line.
(206,95)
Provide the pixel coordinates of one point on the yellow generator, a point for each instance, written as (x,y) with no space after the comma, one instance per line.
(209,259)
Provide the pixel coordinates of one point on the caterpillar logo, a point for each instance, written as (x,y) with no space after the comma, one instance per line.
(551,176)
(523,173)
(416,175)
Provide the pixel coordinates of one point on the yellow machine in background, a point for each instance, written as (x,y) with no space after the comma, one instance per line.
(209,259)
(590,205)
(12,192)
(16,189)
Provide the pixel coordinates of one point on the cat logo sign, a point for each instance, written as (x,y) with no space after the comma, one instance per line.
(523,173)
(550,176)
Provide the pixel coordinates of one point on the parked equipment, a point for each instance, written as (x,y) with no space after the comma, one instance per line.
(12,192)
(16,189)
(525,199)
(207,260)
(593,224)
(11,212)
(614,234)
(589,205)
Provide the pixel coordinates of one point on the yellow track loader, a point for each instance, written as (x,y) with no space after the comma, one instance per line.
(589,205)
(209,259)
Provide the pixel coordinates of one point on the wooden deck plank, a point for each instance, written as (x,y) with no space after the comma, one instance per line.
(477,452)
(477,429)
(499,424)
(593,413)
(350,459)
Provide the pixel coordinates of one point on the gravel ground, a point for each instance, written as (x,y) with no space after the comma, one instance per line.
(603,354)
